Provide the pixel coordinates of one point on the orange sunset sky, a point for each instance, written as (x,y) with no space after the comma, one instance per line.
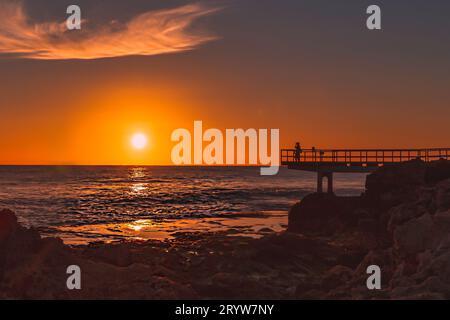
(309,68)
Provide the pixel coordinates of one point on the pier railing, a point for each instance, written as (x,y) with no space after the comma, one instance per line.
(367,157)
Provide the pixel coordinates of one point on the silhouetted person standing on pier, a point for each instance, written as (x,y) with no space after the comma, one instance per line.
(297,152)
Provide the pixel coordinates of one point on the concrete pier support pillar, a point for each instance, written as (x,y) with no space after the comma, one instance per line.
(319,182)
(320,176)
(330,182)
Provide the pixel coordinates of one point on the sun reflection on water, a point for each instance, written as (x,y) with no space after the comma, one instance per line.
(138,188)
(138,225)
(137,173)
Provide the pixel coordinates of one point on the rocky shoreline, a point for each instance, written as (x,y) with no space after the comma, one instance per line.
(401,223)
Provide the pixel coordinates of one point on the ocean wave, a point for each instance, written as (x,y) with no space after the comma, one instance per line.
(55,196)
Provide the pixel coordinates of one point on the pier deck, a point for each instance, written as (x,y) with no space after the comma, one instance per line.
(327,161)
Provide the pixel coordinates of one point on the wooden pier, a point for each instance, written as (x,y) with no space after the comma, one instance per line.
(327,161)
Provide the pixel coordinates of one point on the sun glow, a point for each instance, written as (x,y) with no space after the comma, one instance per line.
(139,141)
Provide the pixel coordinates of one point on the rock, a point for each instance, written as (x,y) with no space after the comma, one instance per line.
(322,213)
(432,288)
(401,281)
(404,213)
(313,294)
(305,285)
(8,225)
(441,201)
(437,171)
(382,258)
(369,233)
(442,221)
(415,236)
(118,254)
(336,276)
(423,261)
(17,244)
(396,177)
(438,266)
(265,230)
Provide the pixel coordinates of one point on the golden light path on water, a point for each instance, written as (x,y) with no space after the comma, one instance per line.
(254,225)
(113,203)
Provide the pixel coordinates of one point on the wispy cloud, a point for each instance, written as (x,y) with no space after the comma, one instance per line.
(150,33)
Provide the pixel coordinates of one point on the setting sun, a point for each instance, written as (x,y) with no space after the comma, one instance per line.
(139,141)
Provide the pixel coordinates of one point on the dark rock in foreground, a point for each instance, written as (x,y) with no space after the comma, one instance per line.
(401,223)
(322,214)
(193,266)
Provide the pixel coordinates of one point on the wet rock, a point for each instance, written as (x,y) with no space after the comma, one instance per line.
(119,254)
(266,230)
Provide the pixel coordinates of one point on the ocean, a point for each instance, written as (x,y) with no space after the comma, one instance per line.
(50,198)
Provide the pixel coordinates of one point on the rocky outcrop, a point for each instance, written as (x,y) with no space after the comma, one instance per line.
(401,222)
(32,267)
(191,266)
(322,214)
